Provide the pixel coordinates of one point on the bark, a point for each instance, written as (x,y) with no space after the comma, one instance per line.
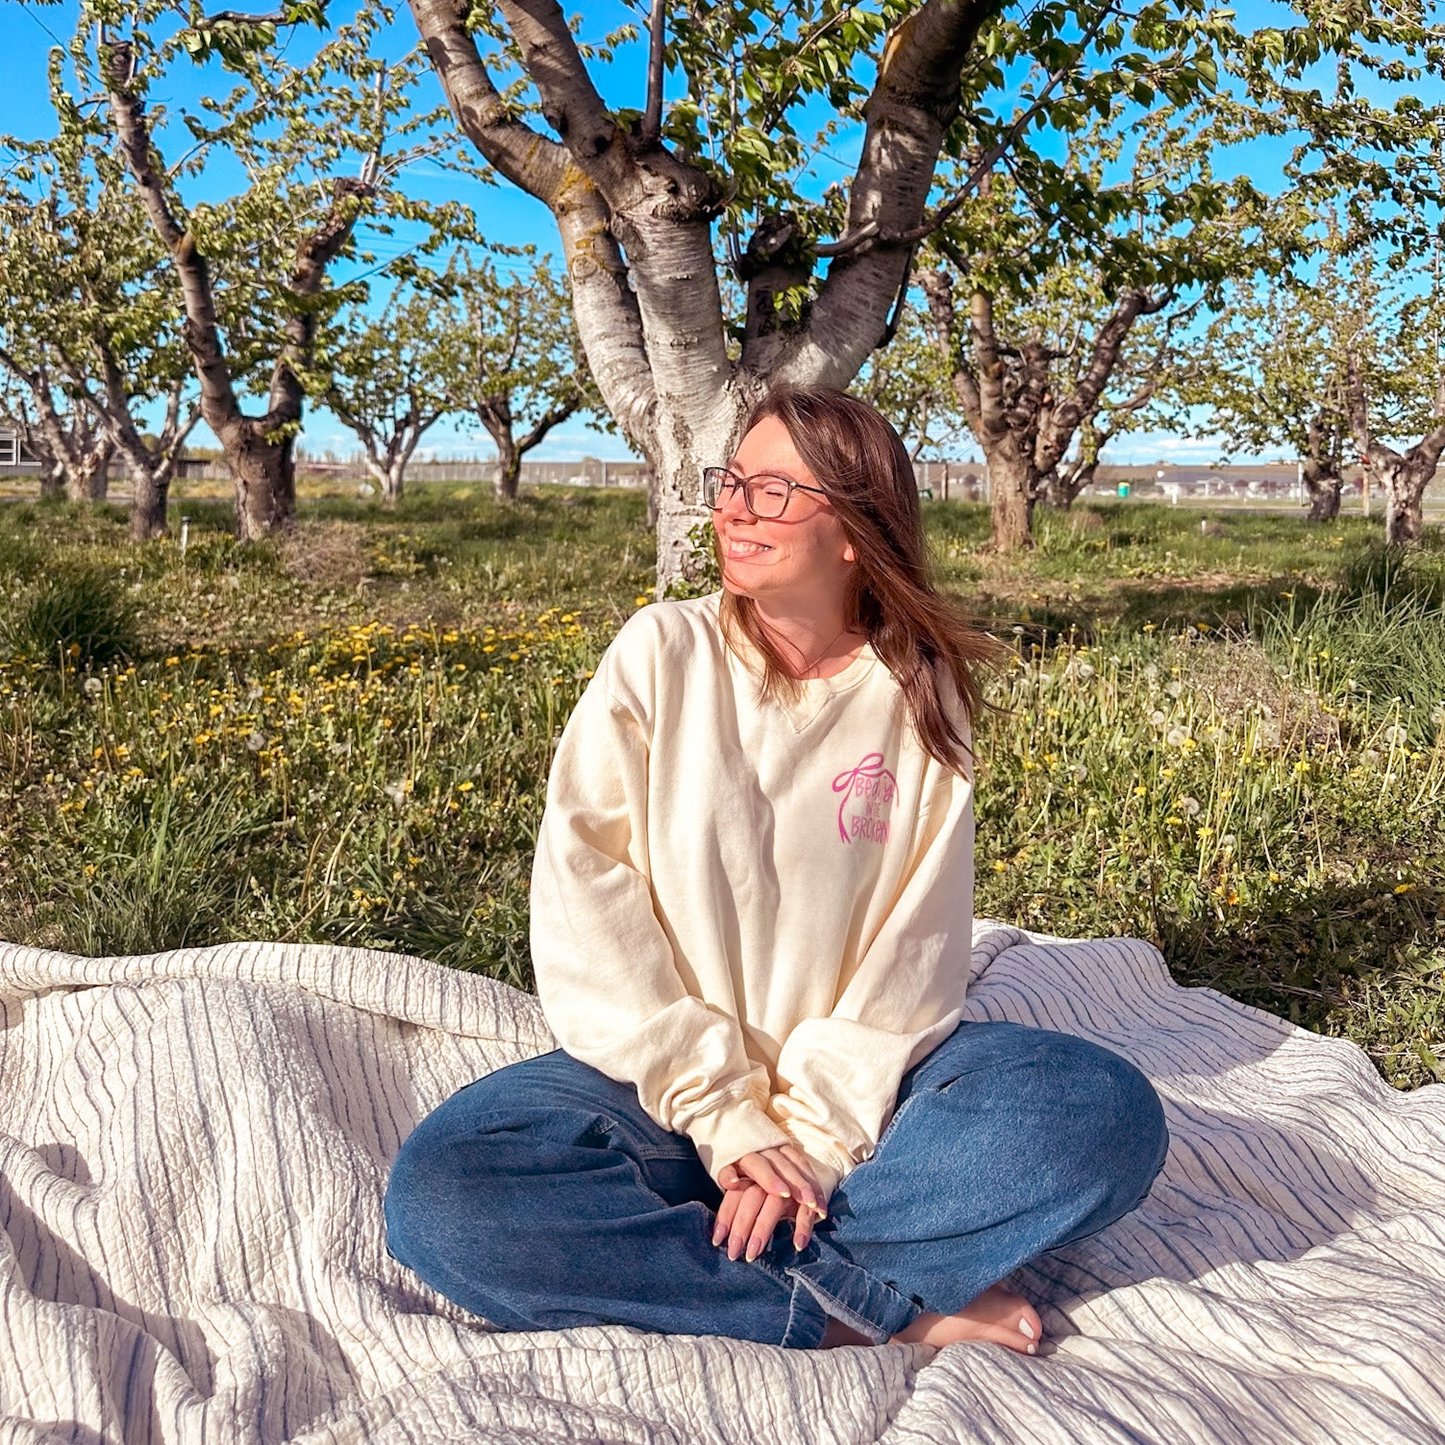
(1006,393)
(88,477)
(651,320)
(1321,470)
(1401,475)
(509,471)
(74,452)
(386,453)
(393,483)
(258,450)
(495,414)
(1014,493)
(1324,495)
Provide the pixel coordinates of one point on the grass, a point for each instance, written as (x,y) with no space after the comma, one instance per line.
(1222,733)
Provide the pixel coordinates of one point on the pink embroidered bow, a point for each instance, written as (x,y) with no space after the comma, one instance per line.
(870,767)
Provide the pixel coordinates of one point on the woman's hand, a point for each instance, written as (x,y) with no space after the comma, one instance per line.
(760,1189)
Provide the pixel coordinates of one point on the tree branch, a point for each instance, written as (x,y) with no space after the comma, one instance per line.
(606,307)
(651,132)
(557,415)
(985,163)
(201,331)
(570,101)
(914,101)
(1055,437)
(528,159)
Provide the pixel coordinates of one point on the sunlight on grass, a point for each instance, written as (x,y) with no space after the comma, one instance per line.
(1230,742)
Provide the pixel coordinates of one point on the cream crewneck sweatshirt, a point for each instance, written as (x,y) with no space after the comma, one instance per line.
(760,916)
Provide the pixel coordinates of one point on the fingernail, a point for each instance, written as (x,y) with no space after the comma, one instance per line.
(752,1255)
(1033,1349)
(783,1191)
(1027,1328)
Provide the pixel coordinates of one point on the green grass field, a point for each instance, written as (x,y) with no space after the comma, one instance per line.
(1223,732)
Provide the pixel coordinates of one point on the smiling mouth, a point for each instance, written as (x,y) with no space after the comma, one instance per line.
(738,548)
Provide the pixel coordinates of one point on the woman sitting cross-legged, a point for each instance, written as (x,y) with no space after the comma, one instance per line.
(752,903)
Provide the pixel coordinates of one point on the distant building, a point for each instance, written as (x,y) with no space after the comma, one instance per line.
(15,460)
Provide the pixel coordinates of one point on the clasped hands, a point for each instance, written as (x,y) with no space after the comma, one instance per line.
(760,1189)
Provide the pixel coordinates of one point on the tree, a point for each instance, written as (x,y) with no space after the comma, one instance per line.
(1394,387)
(94,306)
(519,361)
(636,191)
(253,271)
(73,450)
(1368,172)
(1027,400)
(390,377)
(1271,368)
(1076,273)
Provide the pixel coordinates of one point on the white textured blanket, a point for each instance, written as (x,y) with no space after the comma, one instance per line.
(193,1149)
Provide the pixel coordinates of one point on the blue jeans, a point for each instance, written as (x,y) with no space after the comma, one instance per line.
(542,1197)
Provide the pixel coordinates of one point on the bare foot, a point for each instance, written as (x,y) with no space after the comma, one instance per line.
(1006,1319)
(838,1333)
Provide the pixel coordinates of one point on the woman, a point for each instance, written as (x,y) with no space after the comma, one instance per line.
(751,910)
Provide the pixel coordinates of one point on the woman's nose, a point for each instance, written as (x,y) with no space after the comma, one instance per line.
(731,503)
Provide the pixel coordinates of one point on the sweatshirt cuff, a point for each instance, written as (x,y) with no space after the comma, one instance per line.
(723,1135)
(831,1164)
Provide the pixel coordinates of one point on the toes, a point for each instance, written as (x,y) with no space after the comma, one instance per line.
(1012,1339)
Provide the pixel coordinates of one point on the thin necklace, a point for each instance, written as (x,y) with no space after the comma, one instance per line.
(820,656)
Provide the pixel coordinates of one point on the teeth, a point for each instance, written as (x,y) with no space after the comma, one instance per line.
(750,547)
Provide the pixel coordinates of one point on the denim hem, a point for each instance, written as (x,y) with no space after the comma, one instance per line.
(807,1321)
(850,1294)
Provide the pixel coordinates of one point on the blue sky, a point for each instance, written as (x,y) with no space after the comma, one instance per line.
(27,33)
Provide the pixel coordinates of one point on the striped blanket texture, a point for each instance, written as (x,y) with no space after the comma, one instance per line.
(194,1145)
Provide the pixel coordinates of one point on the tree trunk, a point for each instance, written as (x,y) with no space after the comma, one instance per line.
(509,470)
(1323,482)
(392,481)
(1403,479)
(265,474)
(686,444)
(1063,485)
(87,478)
(152,489)
(1011,482)
(52,480)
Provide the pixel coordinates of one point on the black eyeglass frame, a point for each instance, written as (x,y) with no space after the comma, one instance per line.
(746,483)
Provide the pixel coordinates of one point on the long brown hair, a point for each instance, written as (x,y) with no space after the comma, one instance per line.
(923,639)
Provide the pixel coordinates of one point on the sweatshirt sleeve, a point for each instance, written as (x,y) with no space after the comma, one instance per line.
(839,1075)
(605,973)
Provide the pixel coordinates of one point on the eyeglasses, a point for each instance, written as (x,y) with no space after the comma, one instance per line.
(764,496)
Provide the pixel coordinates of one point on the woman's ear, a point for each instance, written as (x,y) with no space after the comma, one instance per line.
(849,555)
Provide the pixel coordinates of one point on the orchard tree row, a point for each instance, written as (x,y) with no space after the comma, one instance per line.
(129,315)
(1051,223)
